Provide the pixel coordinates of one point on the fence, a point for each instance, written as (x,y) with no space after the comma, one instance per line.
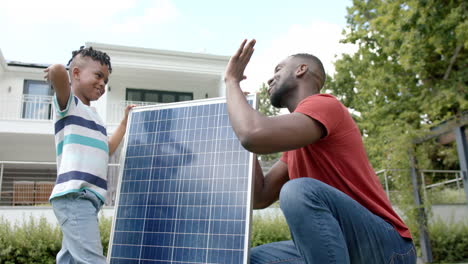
(437,186)
(31,183)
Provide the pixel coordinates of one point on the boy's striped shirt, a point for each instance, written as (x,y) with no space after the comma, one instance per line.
(81,148)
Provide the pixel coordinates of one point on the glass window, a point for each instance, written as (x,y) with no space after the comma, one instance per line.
(37,100)
(157,96)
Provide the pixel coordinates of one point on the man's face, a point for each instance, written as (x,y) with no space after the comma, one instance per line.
(282,82)
(92,80)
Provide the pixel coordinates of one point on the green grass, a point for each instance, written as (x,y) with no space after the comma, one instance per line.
(446,196)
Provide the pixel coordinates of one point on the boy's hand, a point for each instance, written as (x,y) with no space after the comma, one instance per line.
(127,111)
(46,75)
(57,76)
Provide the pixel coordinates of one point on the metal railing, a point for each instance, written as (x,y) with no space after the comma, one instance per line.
(115,110)
(31,183)
(35,107)
(39,107)
(430,179)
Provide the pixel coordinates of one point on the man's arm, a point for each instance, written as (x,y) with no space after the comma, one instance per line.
(57,76)
(256,132)
(267,188)
(119,132)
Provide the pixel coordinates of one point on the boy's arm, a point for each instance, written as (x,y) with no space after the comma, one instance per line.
(119,132)
(57,76)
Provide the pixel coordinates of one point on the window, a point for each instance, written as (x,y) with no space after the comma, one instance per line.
(157,96)
(37,100)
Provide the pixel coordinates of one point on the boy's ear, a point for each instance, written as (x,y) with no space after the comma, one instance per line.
(301,70)
(76,73)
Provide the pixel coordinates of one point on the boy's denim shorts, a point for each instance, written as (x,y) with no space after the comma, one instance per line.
(77,214)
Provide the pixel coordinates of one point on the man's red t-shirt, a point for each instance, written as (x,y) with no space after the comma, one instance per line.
(339,159)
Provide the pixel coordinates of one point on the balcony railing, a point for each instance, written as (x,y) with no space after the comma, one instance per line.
(39,107)
(116,110)
(34,107)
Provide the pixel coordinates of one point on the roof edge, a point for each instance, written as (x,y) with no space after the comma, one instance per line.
(185,54)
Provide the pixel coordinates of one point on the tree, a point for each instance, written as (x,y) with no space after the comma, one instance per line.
(409,73)
(265,107)
(264,104)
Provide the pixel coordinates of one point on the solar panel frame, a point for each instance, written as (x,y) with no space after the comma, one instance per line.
(248,208)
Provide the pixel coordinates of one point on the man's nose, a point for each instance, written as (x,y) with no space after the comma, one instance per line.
(270,81)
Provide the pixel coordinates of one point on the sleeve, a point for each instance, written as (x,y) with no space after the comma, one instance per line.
(325,109)
(61,113)
(284,157)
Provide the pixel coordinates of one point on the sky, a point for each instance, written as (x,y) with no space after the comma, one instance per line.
(47,31)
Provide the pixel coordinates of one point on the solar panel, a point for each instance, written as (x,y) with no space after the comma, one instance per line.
(184,191)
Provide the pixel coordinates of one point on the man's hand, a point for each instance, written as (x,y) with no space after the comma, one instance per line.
(236,66)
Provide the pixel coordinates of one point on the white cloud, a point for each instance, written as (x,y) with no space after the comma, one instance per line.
(320,39)
(159,12)
(85,12)
(116,15)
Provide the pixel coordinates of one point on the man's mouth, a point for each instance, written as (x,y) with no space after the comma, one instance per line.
(270,89)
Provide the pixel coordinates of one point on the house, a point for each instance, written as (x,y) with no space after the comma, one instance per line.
(140,76)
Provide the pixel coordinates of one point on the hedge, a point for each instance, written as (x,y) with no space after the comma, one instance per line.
(37,241)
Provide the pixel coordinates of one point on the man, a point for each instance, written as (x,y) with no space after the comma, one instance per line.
(335,207)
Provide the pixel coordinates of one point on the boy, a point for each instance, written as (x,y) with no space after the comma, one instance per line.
(83,151)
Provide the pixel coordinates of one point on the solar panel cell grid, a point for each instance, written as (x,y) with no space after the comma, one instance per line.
(184,192)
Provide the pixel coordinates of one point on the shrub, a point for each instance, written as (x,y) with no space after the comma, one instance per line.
(37,241)
(105,224)
(443,195)
(267,229)
(34,241)
(449,242)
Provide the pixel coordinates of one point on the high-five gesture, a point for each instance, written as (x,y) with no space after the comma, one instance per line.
(238,62)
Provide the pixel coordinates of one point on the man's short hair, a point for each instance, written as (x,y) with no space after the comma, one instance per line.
(95,55)
(316,61)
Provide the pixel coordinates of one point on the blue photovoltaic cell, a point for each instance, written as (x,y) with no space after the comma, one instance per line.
(184,192)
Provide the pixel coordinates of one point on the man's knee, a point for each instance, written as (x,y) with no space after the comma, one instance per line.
(297,188)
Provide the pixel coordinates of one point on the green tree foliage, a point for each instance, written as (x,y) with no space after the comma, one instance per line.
(410,70)
(264,104)
(408,74)
(265,107)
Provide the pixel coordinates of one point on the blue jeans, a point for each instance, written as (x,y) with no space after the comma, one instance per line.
(77,215)
(327,226)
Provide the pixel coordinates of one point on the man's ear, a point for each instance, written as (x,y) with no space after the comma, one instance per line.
(301,70)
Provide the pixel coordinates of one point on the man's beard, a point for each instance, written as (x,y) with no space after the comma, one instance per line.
(281,92)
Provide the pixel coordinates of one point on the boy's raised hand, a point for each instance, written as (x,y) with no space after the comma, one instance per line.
(57,76)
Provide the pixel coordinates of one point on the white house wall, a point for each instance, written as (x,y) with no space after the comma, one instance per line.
(138,68)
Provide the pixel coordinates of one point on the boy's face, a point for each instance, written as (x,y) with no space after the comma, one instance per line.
(89,80)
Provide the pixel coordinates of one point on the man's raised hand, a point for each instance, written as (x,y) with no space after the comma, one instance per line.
(236,66)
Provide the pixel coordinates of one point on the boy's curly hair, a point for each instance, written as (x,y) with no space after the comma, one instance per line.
(96,55)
